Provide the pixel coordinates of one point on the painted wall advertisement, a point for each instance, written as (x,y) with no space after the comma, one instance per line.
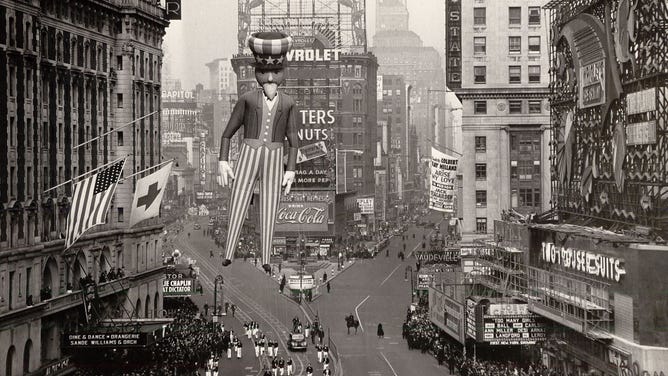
(446,313)
(442,182)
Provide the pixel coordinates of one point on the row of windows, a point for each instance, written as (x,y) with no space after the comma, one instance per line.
(514,74)
(514,16)
(527,197)
(514,45)
(515,106)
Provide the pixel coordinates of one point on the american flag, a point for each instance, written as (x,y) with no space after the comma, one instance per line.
(91,200)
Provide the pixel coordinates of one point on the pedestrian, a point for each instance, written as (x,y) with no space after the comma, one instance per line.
(206,309)
(234,308)
(380,331)
(307,330)
(280,266)
(321,333)
(239,346)
(328,287)
(309,370)
(324,277)
(289,366)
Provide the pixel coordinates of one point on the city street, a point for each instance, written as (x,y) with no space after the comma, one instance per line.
(375,291)
(253,292)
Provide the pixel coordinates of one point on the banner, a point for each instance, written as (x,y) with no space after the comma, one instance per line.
(366,205)
(442,182)
(302,216)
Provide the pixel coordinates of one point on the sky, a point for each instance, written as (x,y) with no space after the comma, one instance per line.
(208,30)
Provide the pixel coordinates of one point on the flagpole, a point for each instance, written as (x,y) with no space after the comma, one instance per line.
(114,130)
(86,173)
(444,147)
(146,169)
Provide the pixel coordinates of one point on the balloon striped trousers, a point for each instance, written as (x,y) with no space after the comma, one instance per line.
(263,161)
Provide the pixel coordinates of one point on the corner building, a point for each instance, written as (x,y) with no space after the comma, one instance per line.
(497,64)
(73,70)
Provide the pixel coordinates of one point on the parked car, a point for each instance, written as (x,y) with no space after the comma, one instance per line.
(297,341)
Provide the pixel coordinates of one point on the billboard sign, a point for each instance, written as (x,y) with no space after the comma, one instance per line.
(366,205)
(177,284)
(302,216)
(513,329)
(424,280)
(316,168)
(90,340)
(453,41)
(446,313)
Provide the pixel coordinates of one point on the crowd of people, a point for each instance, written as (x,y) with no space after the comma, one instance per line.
(421,334)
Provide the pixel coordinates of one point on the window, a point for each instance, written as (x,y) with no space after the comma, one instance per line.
(534,45)
(515,106)
(480,75)
(119,136)
(12,81)
(28,91)
(29,187)
(12,131)
(534,15)
(481,225)
(515,74)
(358,71)
(480,144)
(534,73)
(480,171)
(119,62)
(29,134)
(525,169)
(120,214)
(119,100)
(514,15)
(534,107)
(357,105)
(479,16)
(12,181)
(479,45)
(529,197)
(514,45)
(480,199)
(480,107)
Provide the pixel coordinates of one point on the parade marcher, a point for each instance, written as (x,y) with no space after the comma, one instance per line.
(281,366)
(268,118)
(229,350)
(325,352)
(257,348)
(289,366)
(321,333)
(275,348)
(270,348)
(327,372)
(215,367)
(234,309)
(307,330)
(319,349)
(325,363)
(262,344)
(239,346)
(274,367)
(309,370)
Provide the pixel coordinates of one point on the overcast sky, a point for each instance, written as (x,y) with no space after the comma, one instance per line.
(208,31)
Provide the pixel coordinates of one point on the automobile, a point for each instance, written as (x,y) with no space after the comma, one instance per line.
(297,341)
(197,226)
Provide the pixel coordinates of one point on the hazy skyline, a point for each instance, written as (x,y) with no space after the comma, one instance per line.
(208,31)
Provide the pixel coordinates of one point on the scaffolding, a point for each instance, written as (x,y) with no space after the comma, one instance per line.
(339,24)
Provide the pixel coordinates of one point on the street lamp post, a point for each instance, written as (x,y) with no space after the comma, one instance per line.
(219,278)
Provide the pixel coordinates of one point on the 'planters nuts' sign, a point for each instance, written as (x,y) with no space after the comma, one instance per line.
(302,216)
(584,261)
(315,168)
(177,284)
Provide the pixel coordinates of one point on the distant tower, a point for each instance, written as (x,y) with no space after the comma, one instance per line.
(391,15)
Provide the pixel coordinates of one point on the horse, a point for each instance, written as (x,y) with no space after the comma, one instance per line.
(352,322)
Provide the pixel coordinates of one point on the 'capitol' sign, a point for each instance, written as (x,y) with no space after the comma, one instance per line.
(302,216)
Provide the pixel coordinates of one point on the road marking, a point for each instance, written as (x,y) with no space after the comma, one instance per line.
(394,343)
(388,363)
(357,313)
(390,275)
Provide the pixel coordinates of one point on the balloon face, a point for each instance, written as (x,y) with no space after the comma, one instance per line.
(270,80)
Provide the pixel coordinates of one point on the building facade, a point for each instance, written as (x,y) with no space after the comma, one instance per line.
(222,80)
(401,52)
(498,67)
(74,71)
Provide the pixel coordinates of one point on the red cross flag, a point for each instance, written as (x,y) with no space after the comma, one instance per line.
(148,195)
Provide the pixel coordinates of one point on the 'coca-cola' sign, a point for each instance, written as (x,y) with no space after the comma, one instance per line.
(302,216)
